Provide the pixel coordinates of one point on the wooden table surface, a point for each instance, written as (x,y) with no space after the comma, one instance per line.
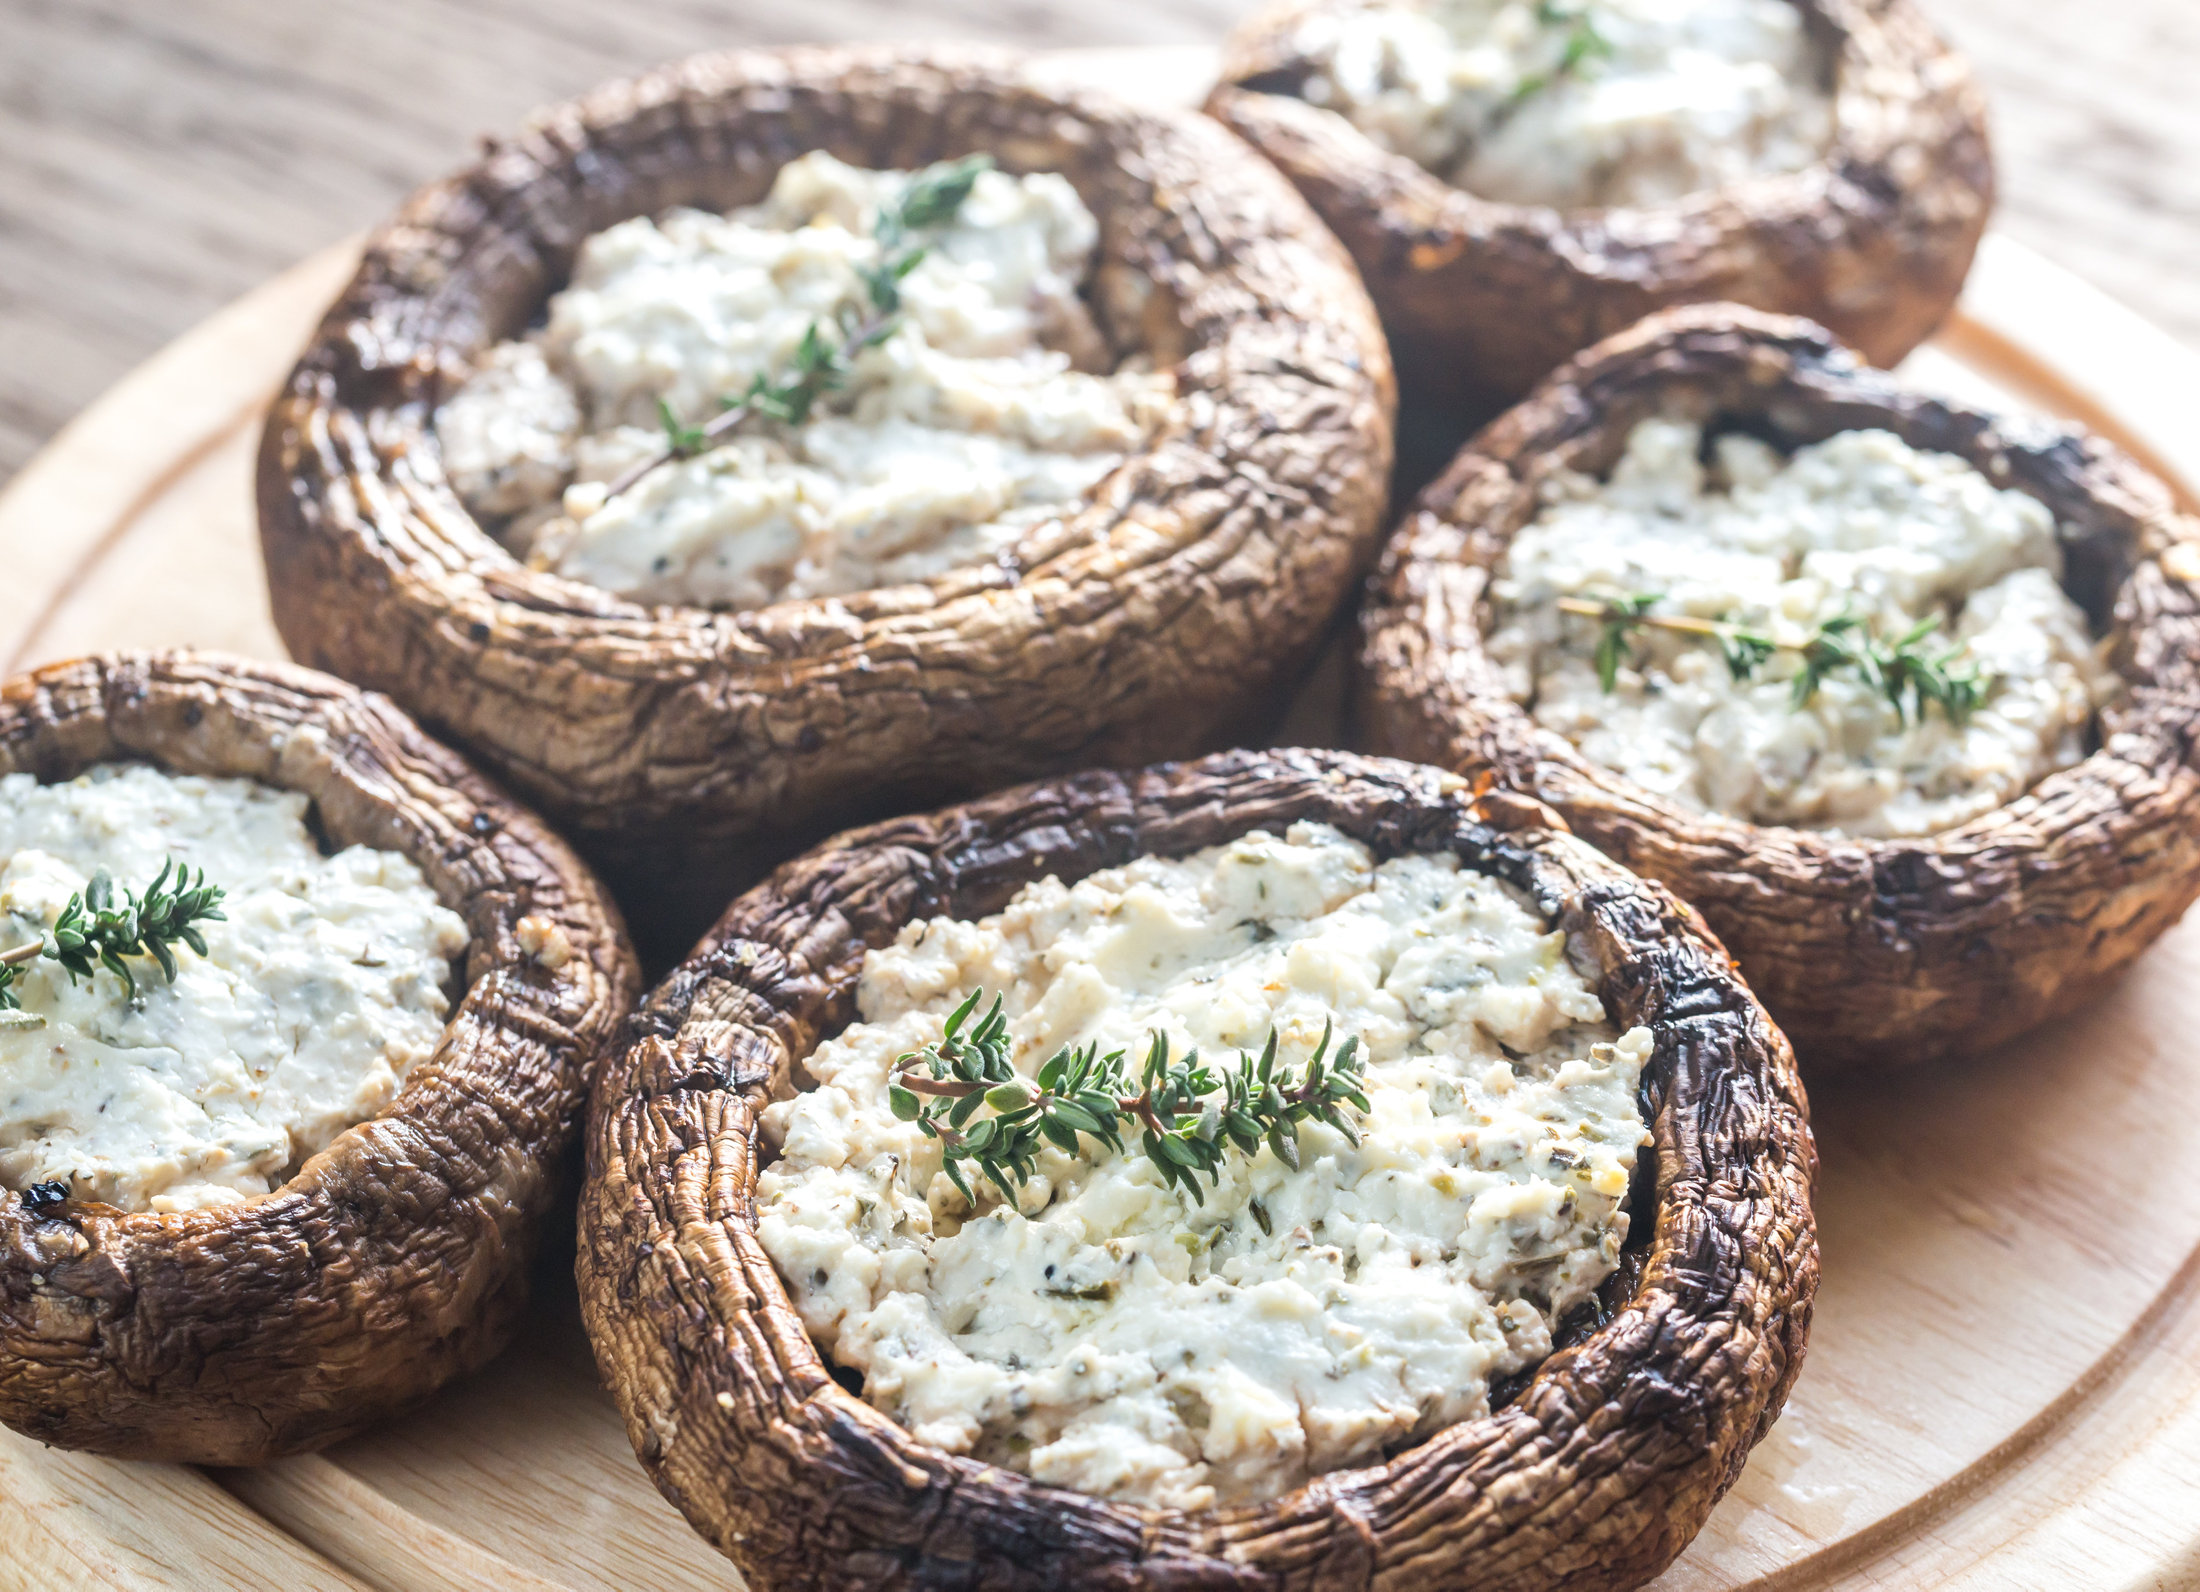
(159,157)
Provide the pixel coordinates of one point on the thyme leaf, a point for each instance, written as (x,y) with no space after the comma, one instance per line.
(1908,673)
(104,926)
(1619,619)
(1188,1116)
(1585,42)
(827,353)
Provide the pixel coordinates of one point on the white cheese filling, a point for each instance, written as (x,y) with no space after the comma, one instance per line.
(1114,1336)
(1578,104)
(318,994)
(1859,524)
(986,414)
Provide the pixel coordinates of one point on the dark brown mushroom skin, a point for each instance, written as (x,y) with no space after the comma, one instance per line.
(1870,954)
(1595,1475)
(1482,300)
(396,1259)
(677,745)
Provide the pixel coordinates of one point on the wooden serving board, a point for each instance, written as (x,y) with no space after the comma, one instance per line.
(2003,1388)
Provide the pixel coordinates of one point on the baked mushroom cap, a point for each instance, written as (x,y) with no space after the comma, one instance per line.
(1870,953)
(1161,618)
(396,1259)
(1482,299)
(1595,1474)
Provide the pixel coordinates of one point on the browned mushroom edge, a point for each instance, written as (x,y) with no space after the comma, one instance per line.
(1871,954)
(1482,300)
(395,1259)
(1595,1474)
(1165,617)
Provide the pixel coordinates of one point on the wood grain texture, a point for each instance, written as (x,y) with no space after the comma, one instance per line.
(2003,1389)
(160,157)
(2004,1381)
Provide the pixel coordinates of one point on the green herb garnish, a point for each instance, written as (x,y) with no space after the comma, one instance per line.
(963,1091)
(1904,670)
(104,925)
(1585,42)
(828,350)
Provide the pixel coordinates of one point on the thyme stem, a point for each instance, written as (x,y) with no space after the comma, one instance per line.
(932,200)
(1189,1116)
(1902,671)
(101,926)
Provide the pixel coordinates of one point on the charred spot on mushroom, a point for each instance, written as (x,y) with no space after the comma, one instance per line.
(40,1197)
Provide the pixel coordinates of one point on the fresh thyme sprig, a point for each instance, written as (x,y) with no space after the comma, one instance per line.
(104,925)
(1904,670)
(824,358)
(1189,1116)
(1585,42)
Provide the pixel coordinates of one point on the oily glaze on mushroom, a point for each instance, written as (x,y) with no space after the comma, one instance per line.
(1871,234)
(396,1257)
(1871,949)
(1648,1409)
(1164,612)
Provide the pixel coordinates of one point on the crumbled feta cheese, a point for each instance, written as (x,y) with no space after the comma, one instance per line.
(950,439)
(1112,1335)
(1577,103)
(1859,524)
(320,991)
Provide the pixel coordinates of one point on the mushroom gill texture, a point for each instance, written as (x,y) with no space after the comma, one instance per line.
(1164,617)
(1870,953)
(397,1258)
(1594,1475)
(1482,299)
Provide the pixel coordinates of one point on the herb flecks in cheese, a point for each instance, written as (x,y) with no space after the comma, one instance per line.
(1859,527)
(321,987)
(1578,103)
(1111,1334)
(983,415)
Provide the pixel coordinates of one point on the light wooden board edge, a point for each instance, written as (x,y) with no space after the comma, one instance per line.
(84,489)
(171,1528)
(2093,359)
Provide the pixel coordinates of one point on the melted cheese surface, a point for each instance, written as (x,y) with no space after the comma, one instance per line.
(1112,1335)
(322,989)
(1578,104)
(1859,524)
(988,412)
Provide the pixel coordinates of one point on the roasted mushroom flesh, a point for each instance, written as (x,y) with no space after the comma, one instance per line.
(1483,298)
(742,1424)
(1163,616)
(1870,952)
(396,1257)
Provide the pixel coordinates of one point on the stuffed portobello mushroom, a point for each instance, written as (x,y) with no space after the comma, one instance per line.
(1275,1169)
(782,438)
(1520,178)
(1897,693)
(297,1018)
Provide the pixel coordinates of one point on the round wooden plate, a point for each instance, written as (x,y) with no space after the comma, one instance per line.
(2003,1387)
